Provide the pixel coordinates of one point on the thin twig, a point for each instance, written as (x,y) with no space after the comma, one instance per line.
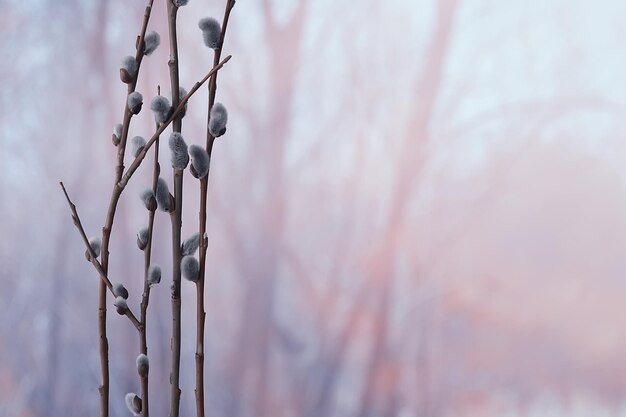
(92,255)
(139,54)
(106,230)
(204,182)
(145,299)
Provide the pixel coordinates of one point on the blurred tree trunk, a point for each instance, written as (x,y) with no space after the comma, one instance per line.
(260,263)
(378,387)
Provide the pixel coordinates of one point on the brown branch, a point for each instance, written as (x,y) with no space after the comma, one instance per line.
(204,183)
(176,219)
(92,256)
(139,54)
(106,230)
(145,406)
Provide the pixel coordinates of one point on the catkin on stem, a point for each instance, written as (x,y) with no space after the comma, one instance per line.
(219,117)
(191,244)
(120,291)
(151,42)
(200,161)
(135,102)
(143,365)
(154,274)
(161,107)
(163,196)
(180,156)
(211,32)
(190,268)
(137,143)
(117,134)
(129,68)
(95,244)
(142,238)
(133,402)
(148,198)
(120,305)
(181,94)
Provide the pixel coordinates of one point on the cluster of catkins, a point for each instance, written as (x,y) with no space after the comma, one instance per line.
(163,111)
(165,202)
(181,156)
(119,291)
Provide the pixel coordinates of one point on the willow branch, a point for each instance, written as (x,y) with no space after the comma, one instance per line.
(139,54)
(145,299)
(176,219)
(204,183)
(106,230)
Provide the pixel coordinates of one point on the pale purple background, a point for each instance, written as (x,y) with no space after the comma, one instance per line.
(418,209)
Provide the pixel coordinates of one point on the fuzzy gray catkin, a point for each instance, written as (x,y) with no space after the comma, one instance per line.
(117,134)
(219,117)
(180,3)
(190,268)
(211,32)
(200,161)
(161,107)
(191,244)
(181,94)
(163,195)
(148,198)
(154,274)
(180,157)
(120,291)
(143,365)
(135,102)
(137,143)
(142,238)
(151,42)
(133,403)
(95,244)
(120,305)
(129,64)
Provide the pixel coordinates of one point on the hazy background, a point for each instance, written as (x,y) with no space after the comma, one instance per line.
(418,209)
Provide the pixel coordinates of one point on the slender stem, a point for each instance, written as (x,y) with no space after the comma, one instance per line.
(176,299)
(106,230)
(104,351)
(145,407)
(204,183)
(176,219)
